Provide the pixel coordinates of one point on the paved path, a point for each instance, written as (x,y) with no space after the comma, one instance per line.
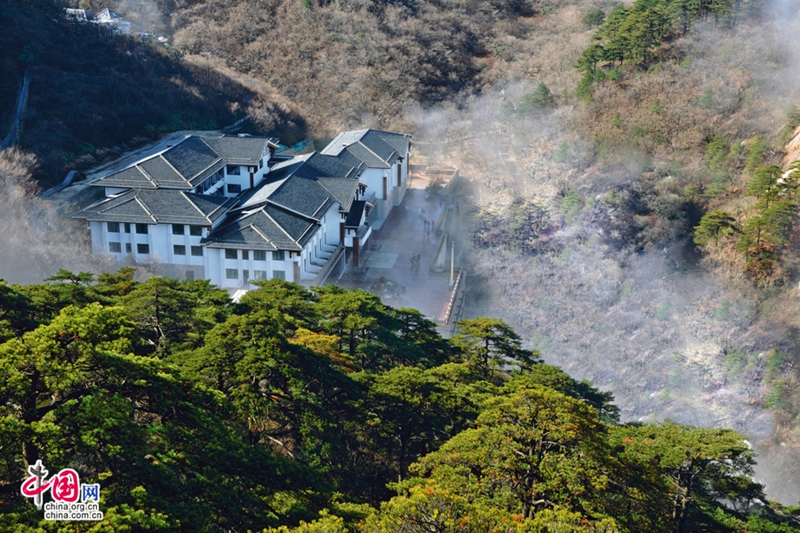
(400,238)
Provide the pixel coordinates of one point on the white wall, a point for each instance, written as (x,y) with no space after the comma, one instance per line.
(217,265)
(330,223)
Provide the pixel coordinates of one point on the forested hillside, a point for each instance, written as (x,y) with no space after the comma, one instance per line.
(94,95)
(196,414)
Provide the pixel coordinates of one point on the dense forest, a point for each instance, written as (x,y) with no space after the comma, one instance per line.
(325,410)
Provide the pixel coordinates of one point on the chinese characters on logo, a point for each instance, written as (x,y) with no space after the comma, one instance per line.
(71,499)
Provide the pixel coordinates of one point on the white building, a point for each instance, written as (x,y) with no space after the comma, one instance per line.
(106,17)
(227,209)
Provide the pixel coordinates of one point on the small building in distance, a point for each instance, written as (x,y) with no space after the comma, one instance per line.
(106,17)
(228,209)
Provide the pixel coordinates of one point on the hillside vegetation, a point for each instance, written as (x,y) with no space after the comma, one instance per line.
(197,414)
(94,94)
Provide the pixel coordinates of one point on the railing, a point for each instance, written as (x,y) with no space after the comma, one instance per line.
(16,126)
(452,309)
(363,230)
(322,276)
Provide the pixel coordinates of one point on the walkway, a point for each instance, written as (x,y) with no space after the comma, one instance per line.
(389,263)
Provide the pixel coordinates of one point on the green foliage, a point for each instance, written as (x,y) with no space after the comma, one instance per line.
(489,344)
(635,34)
(531,104)
(532,450)
(662,313)
(585,87)
(768,230)
(517,225)
(593,18)
(735,361)
(286,412)
(704,102)
(717,152)
(699,467)
(656,107)
(755,154)
(778,394)
(718,185)
(775,359)
(561,152)
(572,203)
(791,122)
(714,225)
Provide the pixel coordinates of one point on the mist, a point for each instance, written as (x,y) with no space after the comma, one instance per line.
(644,316)
(35,239)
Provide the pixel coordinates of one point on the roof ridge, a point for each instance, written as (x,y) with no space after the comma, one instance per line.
(147,176)
(292,211)
(219,158)
(161,155)
(110,200)
(183,193)
(368,149)
(323,202)
(143,206)
(203,140)
(254,228)
(280,227)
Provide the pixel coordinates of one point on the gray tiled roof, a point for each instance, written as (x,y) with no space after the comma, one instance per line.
(343,191)
(353,219)
(159,206)
(240,150)
(376,149)
(191,157)
(307,184)
(268,228)
(162,173)
(187,163)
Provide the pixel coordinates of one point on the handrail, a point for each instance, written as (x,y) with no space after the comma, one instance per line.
(456,287)
(322,276)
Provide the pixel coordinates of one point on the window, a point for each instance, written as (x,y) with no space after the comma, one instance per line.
(141,228)
(189,275)
(234,170)
(179,249)
(233,188)
(142,248)
(127,228)
(259,274)
(231,273)
(127,247)
(277,256)
(115,247)
(196,231)
(259,255)
(231,254)
(197,251)
(279,274)
(245,255)
(177,229)
(113,227)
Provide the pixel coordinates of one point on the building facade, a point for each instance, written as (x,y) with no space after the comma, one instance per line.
(229,210)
